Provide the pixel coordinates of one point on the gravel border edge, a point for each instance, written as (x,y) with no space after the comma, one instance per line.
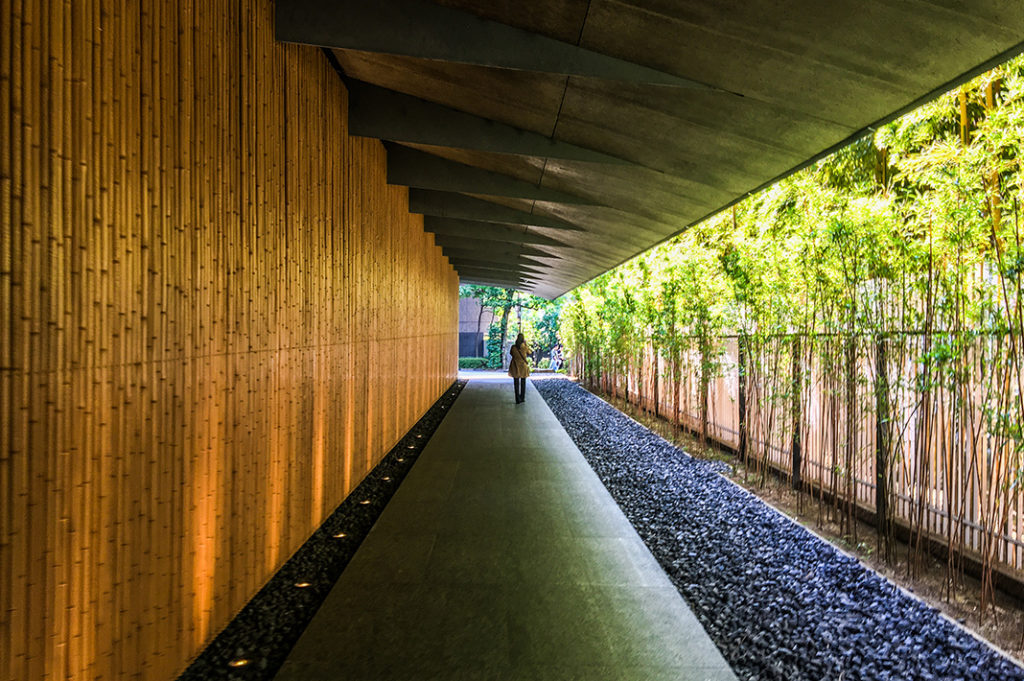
(255,643)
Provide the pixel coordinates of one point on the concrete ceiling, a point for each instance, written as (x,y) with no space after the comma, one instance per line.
(548,141)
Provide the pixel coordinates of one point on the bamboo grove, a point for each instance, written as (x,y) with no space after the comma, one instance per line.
(856,328)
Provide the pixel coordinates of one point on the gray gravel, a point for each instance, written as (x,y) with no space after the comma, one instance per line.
(266,629)
(779,602)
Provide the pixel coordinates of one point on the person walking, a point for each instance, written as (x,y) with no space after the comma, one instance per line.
(518,368)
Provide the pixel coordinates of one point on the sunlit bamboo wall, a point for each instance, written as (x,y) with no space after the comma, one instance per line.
(936,484)
(216,318)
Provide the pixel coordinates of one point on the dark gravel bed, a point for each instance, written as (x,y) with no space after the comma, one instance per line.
(264,632)
(779,602)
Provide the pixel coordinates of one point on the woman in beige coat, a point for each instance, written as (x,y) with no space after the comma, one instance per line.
(518,369)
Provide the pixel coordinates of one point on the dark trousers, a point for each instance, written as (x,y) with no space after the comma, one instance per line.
(519,385)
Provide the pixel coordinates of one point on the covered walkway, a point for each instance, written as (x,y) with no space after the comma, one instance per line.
(502,556)
(231,245)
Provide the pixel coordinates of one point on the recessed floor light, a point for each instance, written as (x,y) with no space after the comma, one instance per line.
(340,535)
(302,585)
(400,459)
(239,662)
(364,502)
(386,478)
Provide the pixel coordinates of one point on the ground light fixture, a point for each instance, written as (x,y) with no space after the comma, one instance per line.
(267,631)
(364,502)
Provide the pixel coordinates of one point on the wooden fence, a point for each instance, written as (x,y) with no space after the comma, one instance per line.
(216,318)
(954,462)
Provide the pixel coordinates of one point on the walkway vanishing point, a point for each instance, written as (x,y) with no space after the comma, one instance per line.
(502,557)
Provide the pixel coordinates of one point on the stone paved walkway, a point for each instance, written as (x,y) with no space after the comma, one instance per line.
(503,557)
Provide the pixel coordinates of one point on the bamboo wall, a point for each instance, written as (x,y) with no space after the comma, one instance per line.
(216,314)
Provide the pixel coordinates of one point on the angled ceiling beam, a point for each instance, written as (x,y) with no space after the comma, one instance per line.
(517,268)
(484,261)
(417,28)
(467,270)
(484,281)
(480,281)
(388,115)
(415,168)
(489,247)
(507,259)
(496,275)
(489,231)
(491,276)
(453,205)
(504,258)
(510,280)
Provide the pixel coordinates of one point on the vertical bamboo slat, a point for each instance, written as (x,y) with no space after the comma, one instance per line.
(217,317)
(937,482)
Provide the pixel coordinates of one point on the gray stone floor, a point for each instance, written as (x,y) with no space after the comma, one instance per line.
(501,557)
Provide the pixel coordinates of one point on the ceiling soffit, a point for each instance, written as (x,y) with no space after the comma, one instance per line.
(590,130)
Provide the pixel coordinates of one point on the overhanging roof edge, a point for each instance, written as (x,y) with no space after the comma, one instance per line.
(951,84)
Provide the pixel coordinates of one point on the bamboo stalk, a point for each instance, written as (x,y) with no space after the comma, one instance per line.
(136,392)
